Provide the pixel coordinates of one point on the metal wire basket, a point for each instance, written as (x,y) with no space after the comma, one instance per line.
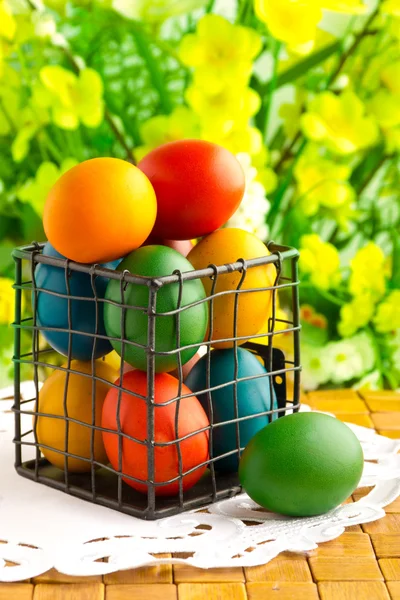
(103,484)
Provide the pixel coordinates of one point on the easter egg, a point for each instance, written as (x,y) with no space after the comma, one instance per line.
(133,420)
(51,430)
(198,185)
(226,246)
(302,465)
(182,246)
(156,261)
(52,310)
(99,210)
(253,398)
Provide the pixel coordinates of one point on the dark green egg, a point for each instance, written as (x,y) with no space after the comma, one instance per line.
(157,261)
(302,465)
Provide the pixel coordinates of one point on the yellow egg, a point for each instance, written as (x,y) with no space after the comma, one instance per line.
(227,246)
(113,360)
(51,431)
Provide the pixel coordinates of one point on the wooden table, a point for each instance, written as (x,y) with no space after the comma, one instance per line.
(364,563)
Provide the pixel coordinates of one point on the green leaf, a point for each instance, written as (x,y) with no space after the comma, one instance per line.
(303,66)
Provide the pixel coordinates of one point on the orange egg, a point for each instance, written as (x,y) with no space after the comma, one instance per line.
(227,246)
(100,210)
(51,430)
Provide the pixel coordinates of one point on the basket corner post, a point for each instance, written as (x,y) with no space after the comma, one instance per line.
(16,359)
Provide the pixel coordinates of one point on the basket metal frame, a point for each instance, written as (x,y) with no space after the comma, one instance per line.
(104,485)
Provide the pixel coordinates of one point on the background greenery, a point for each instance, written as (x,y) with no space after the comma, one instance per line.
(305,92)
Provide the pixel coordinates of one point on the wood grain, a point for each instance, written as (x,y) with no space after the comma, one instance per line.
(282,590)
(348,544)
(285,567)
(211,591)
(186,573)
(342,569)
(158,591)
(69,591)
(16,591)
(349,590)
(153,574)
(390,568)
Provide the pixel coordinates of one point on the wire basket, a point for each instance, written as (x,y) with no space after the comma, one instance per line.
(103,484)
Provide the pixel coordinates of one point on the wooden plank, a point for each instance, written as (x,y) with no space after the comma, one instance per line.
(388,524)
(341,395)
(389,421)
(282,590)
(152,574)
(285,567)
(394,589)
(357,418)
(54,576)
(16,591)
(386,545)
(340,407)
(342,569)
(353,590)
(383,405)
(69,591)
(211,591)
(348,544)
(157,591)
(187,573)
(390,568)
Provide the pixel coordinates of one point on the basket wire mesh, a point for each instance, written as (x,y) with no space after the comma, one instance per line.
(103,484)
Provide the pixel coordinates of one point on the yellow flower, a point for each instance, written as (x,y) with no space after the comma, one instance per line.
(320,260)
(386,108)
(220,52)
(182,123)
(243,138)
(368,272)
(224,109)
(387,316)
(391,7)
(295,21)
(356,314)
(155,11)
(391,76)
(8,25)
(70,98)
(340,122)
(291,21)
(322,182)
(349,7)
(6,301)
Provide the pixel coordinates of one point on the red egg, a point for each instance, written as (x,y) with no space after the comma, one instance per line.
(133,419)
(198,186)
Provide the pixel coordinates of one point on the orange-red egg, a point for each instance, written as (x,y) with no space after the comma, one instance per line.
(133,419)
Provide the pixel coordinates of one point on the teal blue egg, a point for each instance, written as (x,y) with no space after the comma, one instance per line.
(253,398)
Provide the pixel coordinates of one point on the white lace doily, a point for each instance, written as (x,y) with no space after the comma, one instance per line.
(42,528)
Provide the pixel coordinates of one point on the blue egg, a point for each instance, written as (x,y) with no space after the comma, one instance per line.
(253,397)
(52,311)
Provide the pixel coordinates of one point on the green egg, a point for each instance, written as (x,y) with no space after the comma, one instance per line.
(302,465)
(157,261)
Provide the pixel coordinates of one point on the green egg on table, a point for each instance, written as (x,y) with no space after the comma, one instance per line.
(156,261)
(302,465)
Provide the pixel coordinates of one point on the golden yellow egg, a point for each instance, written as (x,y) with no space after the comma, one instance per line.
(51,430)
(227,246)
